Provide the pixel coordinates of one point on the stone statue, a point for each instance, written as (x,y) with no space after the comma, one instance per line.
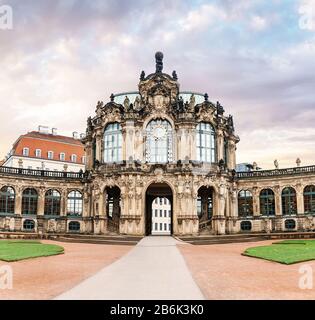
(126,103)
(206,96)
(112,97)
(230,123)
(99,108)
(137,103)
(181,104)
(142,75)
(298,162)
(158,62)
(174,75)
(276,164)
(221,165)
(89,124)
(254,166)
(192,101)
(220,109)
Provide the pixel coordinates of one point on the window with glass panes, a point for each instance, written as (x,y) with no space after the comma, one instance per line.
(309,199)
(29,201)
(205,142)
(113,142)
(159,141)
(28,225)
(267,202)
(74,226)
(289,205)
(245,203)
(52,202)
(7,200)
(74,203)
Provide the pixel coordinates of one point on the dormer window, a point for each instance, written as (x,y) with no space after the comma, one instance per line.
(73,158)
(38,153)
(50,155)
(26,152)
(62,156)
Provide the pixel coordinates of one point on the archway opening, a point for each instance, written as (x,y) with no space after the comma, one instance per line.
(113,208)
(159,210)
(205,206)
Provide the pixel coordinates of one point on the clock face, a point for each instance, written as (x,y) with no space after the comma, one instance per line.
(159,132)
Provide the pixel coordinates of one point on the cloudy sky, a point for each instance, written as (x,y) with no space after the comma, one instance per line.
(256,57)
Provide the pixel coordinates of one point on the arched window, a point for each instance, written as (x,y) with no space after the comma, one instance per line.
(113,142)
(205,142)
(205,203)
(29,201)
(288,201)
(74,226)
(289,224)
(28,225)
(7,200)
(75,203)
(159,142)
(245,203)
(52,203)
(246,226)
(309,199)
(267,202)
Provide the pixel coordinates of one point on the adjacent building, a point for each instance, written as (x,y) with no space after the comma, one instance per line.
(161,216)
(44,150)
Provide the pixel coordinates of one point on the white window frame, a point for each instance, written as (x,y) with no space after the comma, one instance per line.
(83,159)
(26,152)
(52,155)
(40,153)
(74,158)
(62,156)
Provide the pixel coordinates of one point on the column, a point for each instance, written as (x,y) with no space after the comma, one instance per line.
(231,154)
(18,201)
(278,205)
(256,204)
(41,202)
(192,142)
(63,202)
(299,199)
(99,148)
(220,144)
(130,140)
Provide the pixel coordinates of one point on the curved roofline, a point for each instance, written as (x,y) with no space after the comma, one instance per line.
(137,92)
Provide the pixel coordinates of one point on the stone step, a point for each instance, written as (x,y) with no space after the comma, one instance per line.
(223,241)
(97,241)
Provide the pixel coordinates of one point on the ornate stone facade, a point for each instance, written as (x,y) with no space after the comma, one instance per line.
(158,142)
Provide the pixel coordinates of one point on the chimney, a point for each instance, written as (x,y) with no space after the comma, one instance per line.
(43,129)
(75,135)
(54,131)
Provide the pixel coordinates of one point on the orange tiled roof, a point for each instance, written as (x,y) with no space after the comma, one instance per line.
(49,142)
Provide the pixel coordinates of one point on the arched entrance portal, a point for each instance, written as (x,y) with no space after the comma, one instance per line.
(205,206)
(159,209)
(113,208)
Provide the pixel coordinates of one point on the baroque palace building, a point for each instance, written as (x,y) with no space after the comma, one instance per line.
(158,143)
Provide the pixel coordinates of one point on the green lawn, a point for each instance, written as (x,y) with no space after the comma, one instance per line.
(14,250)
(286,252)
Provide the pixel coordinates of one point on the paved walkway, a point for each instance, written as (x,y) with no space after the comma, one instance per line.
(154,269)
